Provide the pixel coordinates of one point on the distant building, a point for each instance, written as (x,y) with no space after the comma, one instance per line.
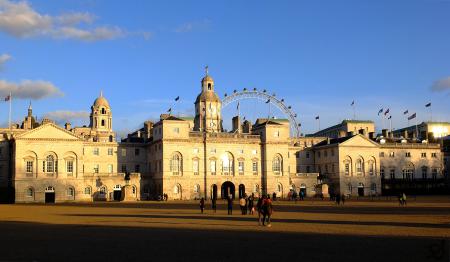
(348,127)
(424,131)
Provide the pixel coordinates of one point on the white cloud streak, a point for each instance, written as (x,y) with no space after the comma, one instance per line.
(441,84)
(20,20)
(61,116)
(29,89)
(3,59)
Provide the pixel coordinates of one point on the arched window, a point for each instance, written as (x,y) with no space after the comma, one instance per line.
(277,163)
(103,122)
(176,164)
(371,167)
(70,192)
(209,86)
(279,188)
(359,167)
(177,189)
(29,192)
(196,188)
(227,164)
(103,111)
(50,165)
(87,190)
(408,171)
(347,166)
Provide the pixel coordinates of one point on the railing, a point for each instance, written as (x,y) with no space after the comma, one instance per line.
(410,145)
(224,135)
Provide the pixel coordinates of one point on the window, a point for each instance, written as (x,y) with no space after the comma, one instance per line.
(325,153)
(381,154)
(212,150)
(133,190)
(359,167)
(103,190)
(70,192)
(308,169)
(434,155)
(103,122)
(255,167)
(137,168)
(318,154)
(212,167)
(332,152)
(391,154)
(110,151)
(87,190)
(227,164)
(110,168)
(276,165)
(195,166)
(96,151)
(29,168)
(408,154)
(176,130)
(276,134)
(195,150)
(382,172)
(124,152)
(254,151)
(103,111)
(196,188)
(347,169)
(29,192)
(241,151)
(241,167)
(124,168)
(136,151)
(424,172)
(50,165)
(175,164)
(307,154)
(96,168)
(69,166)
(424,155)
(392,173)
(373,187)
(434,173)
(371,168)
(408,174)
(176,189)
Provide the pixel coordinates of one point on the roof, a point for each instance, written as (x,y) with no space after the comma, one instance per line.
(334,141)
(346,121)
(101,101)
(210,96)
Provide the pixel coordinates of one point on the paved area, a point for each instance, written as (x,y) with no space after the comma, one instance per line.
(176,231)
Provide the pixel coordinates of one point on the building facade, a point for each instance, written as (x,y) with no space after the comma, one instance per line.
(192,157)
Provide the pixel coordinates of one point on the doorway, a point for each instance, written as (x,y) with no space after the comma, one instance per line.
(49,194)
(117,193)
(227,190)
(361,189)
(214,192)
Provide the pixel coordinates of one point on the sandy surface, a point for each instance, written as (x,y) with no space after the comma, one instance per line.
(319,230)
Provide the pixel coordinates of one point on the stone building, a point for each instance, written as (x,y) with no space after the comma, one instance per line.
(192,157)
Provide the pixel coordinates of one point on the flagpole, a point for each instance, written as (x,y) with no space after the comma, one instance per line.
(9,121)
(431,115)
(417,130)
(354,112)
(390,124)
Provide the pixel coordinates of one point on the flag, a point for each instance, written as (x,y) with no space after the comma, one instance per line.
(389,117)
(412,116)
(386,112)
(428,105)
(406,112)
(7,98)
(268,101)
(170,110)
(353,103)
(177,98)
(381,111)
(317,117)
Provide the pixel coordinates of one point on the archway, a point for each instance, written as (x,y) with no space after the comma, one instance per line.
(117,193)
(49,194)
(241,191)
(214,191)
(227,190)
(360,189)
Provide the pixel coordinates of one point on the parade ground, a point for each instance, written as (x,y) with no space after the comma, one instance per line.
(310,230)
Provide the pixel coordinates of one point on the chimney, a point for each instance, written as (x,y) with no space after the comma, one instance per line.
(139,133)
(391,134)
(405,134)
(384,132)
(236,124)
(246,127)
(349,134)
(328,140)
(148,126)
(67,126)
(372,135)
(361,131)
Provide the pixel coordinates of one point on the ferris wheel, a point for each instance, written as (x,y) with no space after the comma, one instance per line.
(269,99)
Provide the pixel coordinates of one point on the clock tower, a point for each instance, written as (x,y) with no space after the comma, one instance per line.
(208,107)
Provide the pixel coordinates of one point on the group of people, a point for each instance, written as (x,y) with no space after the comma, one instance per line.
(264,207)
(292,195)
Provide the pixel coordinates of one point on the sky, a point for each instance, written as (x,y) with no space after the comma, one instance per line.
(318,55)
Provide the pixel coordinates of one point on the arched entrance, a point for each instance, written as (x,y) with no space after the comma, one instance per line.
(227,190)
(49,194)
(117,193)
(360,189)
(214,191)
(241,191)
(303,190)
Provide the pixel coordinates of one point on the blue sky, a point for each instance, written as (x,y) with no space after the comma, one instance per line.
(318,55)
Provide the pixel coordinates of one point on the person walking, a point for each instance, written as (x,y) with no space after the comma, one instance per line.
(259,208)
(338,199)
(214,204)
(250,205)
(267,211)
(242,205)
(404,198)
(343,199)
(274,196)
(230,205)
(202,204)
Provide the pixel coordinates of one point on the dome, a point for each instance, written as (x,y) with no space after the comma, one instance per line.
(101,101)
(207,78)
(207,96)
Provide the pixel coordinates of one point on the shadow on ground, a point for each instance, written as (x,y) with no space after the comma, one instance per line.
(44,242)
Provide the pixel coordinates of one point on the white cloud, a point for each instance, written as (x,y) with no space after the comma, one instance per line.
(29,89)
(193,26)
(441,84)
(3,59)
(19,19)
(61,116)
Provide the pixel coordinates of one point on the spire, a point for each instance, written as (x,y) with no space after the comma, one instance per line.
(101,93)
(30,110)
(206,70)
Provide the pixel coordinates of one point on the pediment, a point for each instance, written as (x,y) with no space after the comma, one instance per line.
(48,131)
(359,140)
